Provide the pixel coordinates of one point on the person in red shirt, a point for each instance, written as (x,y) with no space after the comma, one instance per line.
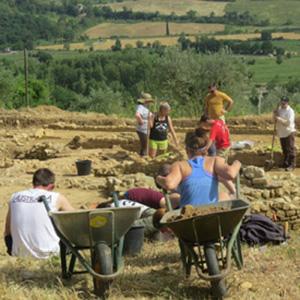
(218,135)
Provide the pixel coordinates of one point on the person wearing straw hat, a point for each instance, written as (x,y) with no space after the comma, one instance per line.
(160,125)
(142,116)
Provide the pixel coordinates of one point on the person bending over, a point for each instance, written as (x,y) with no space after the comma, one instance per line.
(151,198)
(160,124)
(197,179)
(28,230)
(218,135)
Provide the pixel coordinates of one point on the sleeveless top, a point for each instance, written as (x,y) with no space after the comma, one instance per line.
(159,131)
(200,187)
(31,229)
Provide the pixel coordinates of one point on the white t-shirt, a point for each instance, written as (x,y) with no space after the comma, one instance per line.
(285,128)
(32,232)
(144,112)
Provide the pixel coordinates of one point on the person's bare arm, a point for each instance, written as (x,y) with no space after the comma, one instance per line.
(63,204)
(139,118)
(173,132)
(205,109)
(7,223)
(228,172)
(229,185)
(229,103)
(151,120)
(171,181)
(209,143)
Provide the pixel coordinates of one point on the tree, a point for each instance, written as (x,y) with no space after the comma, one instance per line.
(279,59)
(167,28)
(44,57)
(139,44)
(117,46)
(266,35)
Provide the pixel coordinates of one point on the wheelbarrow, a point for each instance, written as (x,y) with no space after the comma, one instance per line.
(200,236)
(99,230)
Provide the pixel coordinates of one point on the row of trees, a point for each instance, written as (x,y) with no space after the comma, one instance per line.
(205,44)
(234,18)
(27,22)
(110,82)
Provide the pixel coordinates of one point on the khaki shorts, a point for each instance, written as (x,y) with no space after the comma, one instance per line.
(223,153)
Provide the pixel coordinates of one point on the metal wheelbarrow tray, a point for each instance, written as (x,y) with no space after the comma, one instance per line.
(207,227)
(198,236)
(99,230)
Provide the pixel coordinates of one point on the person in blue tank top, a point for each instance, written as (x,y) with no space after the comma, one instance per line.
(198,178)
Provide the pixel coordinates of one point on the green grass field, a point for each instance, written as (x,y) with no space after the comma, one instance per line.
(266,69)
(278,12)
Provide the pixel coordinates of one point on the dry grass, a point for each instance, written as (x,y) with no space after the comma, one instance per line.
(107,44)
(203,8)
(148,29)
(273,273)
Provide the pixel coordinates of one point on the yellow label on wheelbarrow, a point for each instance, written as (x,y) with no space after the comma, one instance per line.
(98,222)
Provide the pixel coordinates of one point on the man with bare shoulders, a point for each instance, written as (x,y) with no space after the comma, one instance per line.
(28,229)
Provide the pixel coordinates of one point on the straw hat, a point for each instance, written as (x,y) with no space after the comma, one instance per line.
(145,98)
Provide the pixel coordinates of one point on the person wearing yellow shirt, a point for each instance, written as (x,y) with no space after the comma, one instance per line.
(217,103)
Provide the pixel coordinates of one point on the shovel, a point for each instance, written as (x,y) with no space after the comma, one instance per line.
(269,164)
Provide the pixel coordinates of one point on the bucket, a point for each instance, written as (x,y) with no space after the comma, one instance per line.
(83,167)
(134,241)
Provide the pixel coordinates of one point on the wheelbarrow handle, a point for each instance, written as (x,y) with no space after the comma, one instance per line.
(167,199)
(45,202)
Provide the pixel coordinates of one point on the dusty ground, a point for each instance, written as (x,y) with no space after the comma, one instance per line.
(271,272)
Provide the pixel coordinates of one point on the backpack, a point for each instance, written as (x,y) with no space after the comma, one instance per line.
(257,229)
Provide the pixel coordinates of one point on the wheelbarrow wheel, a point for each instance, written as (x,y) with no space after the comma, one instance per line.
(218,286)
(102,264)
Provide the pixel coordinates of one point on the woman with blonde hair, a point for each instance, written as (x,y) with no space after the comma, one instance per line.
(160,125)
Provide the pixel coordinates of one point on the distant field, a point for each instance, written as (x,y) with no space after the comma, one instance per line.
(147,29)
(107,44)
(292,42)
(248,36)
(266,68)
(179,7)
(278,12)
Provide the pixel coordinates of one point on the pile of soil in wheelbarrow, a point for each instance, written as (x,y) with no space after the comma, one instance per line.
(190,211)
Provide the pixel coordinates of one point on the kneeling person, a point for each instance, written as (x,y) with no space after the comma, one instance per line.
(28,227)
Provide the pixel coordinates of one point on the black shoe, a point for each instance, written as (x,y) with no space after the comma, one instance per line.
(290,169)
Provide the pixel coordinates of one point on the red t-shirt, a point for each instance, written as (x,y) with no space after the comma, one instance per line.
(144,196)
(220,134)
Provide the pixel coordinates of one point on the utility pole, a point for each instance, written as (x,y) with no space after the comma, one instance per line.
(26,77)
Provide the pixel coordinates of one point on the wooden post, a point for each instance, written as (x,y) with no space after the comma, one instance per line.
(26,77)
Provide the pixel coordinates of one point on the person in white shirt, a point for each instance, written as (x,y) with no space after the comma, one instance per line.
(284,117)
(142,116)
(28,229)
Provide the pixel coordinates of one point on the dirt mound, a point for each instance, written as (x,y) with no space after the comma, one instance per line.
(43,109)
(189,211)
(40,151)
